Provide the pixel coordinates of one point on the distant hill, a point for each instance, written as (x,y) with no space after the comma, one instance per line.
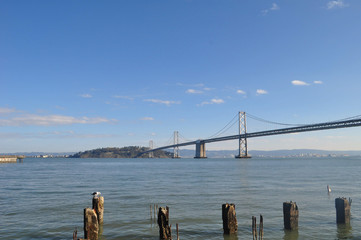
(125,152)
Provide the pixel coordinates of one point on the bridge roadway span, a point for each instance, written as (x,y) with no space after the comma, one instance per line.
(303,128)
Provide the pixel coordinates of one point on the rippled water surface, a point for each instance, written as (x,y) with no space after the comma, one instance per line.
(45,198)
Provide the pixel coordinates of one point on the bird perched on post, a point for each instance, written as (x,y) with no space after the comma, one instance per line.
(96,194)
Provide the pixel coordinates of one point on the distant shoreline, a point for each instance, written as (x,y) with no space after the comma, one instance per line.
(187,153)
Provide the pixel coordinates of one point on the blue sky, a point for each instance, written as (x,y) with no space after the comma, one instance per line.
(79,75)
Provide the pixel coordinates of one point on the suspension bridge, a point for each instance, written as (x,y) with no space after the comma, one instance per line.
(243,135)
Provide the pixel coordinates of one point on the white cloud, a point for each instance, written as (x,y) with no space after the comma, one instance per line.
(86,95)
(212,101)
(261,92)
(6,110)
(193,91)
(51,120)
(147,119)
(217,100)
(299,83)
(54,135)
(336,4)
(166,102)
(274,7)
(241,92)
(317,82)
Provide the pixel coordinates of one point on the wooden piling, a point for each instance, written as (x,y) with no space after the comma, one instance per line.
(260,235)
(91,225)
(290,215)
(154,212)
(177,228)
(229,218)
(163,223)
(254,228)
(75,234)
(343,210)
(150,210)
(98,206)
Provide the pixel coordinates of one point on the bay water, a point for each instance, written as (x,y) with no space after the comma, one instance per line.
(45,198)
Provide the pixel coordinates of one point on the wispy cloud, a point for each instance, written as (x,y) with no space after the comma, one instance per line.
(194,91)
(212,101)
(6,110)
(241,92)
(53,135)
(166,102)
(147,119)
(261,92)
(299,83)
(124,97)
(51,120)
(274,7)
(336,4)
(302,83)
(86,95)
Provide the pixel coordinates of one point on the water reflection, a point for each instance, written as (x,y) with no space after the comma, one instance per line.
(290,234)
(230,237)
(344,231)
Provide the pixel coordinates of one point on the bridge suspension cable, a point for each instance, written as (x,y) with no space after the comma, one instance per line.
(169,141)
(226,127)
(272,122)
(295,124)
(183,139)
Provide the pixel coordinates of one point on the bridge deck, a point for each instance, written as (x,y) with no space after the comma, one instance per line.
(304,128)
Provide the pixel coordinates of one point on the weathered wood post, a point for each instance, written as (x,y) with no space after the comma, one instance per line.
(150,210)
(343,210)
(229,218)
(163,223)
(75,234)
(98,206)
(290,215)
(254,228)
(260,227)
(91,225)
(177,231)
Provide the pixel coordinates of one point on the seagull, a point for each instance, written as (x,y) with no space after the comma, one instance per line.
(328,189)
(96,194)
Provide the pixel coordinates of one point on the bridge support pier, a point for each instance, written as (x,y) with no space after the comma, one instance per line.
(200,149)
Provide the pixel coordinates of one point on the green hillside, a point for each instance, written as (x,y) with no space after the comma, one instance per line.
(125,152)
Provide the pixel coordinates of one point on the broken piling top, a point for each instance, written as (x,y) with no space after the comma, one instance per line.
(343,210)
(98,206)
(163,223)
(229,218)
(91,225)
(290,215)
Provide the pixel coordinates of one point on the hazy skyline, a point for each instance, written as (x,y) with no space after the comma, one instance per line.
(79,75)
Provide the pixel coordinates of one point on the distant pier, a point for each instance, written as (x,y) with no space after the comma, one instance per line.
(11,158)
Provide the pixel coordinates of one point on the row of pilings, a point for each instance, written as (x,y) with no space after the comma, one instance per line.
(93,219)
(230,225)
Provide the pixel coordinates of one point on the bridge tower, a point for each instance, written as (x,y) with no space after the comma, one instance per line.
(242,150)
(151,155)
(176,148)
